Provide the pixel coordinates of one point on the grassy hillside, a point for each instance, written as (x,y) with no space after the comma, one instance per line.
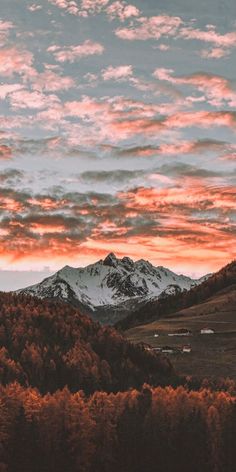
(212,355)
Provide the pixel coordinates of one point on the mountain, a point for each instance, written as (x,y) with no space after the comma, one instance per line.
(49,345)
(111,288)
(211,290)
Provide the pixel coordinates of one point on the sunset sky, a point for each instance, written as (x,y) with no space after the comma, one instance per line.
(117,133)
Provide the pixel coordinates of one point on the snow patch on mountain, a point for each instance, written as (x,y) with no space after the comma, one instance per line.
(110,283)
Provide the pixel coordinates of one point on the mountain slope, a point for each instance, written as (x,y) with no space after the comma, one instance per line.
(50,345)
(111,288)
(223,280)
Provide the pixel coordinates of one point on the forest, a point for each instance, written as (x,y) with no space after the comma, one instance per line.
(154,429)
(78,397)
(50,344)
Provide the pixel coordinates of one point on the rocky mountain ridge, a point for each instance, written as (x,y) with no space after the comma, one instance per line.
(111,288)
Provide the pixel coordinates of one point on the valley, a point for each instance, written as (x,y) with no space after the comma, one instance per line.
(212,355)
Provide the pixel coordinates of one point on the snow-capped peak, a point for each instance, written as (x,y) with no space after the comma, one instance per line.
(111,282)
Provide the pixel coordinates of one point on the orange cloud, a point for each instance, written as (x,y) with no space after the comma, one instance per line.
(190,194)
(188,223)
(5,152)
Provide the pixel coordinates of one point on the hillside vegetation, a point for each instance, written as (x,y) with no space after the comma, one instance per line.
(50,345)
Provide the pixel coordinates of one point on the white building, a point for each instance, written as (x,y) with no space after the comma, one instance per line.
(187,333)
(207,331)
(181,332)
(187,348)
(167,350)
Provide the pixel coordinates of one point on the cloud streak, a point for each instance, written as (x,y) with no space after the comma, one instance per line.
(217,90)
(74,53)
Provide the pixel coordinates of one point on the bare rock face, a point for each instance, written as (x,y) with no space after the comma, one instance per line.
(110,260)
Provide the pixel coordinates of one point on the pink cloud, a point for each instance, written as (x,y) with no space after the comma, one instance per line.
(162,73)
(7,89)
(87,107)
(123,126)
(227,40)
(34,7)
(163,179)
(230,153)
(117,119)
(10,122)
(214,53)
(14,61)
(91,78)
(122,10)
(50,81)
(163,47)
(202,119)
(69,6)
(112,119)
(222,43)
(51,117)
(73,53)
(150,28)
(155,27)
(93,6)
(217,89)
(181,147)
(22,99)
(119,9)
(106,227)
(87,7)
(5,27)
(191,147)
(117,73)
(193,193)
(5,152)
(229,157)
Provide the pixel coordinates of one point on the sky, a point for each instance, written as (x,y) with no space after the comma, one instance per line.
(117,133)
